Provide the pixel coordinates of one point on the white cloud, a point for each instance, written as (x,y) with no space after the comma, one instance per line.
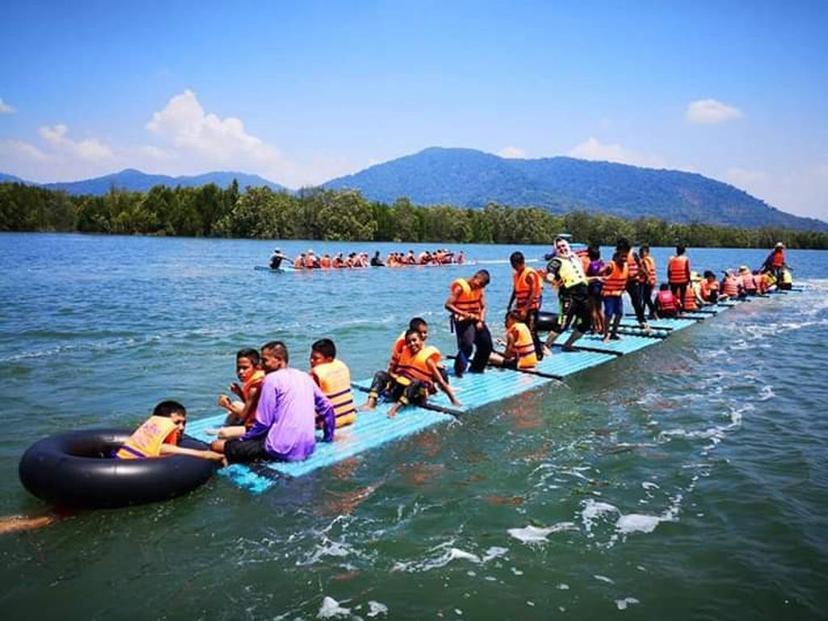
(709,111)
(512,153)
(594,149)
(89,149)
(6,108)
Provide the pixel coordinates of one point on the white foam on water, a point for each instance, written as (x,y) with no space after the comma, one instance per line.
(592,511)
(603,578)
(766,393)
(532,535)
(331,609)
(562,587)
(376,608)
(627,601)
(648,485)
(448,554)
(493,553)
(327,548)
(637,522)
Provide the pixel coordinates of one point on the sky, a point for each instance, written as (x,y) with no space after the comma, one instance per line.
(304,91)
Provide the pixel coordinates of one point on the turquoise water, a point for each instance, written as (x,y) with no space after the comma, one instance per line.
(690,479)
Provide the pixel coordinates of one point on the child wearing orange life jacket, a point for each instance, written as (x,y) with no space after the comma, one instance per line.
(666,303)
(160,435)
(520,352)
(731,286)
(709,288)
(241,414)
(334,378)
(615,274)
(416,375)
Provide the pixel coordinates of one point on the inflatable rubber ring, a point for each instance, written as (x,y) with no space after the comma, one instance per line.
(77,469)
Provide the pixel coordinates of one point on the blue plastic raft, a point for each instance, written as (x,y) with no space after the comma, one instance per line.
(374,428)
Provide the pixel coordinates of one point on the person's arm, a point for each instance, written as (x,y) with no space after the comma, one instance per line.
(173,449)
(441,383)
(323,406)
(482,317)
(250,404)
(511,299)
(265,406)
(510,351)
(552,269)
(459,315)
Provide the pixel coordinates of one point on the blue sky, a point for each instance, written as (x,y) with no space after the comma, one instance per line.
(304,91)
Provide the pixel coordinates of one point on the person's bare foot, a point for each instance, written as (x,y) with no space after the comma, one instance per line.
(392,412)
(368,405)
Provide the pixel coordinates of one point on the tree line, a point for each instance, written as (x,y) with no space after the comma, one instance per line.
(345,215)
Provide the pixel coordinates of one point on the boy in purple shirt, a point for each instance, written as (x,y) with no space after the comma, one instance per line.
(284,428)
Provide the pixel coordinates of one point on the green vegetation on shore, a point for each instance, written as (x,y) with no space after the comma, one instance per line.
(261,213)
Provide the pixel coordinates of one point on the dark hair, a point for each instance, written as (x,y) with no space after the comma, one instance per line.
(416,323)
(250,354)
(709,274)
(623,244)
(484,276)
(278,348)
(513,315)
(594,252)
(325,347)
(409,332)
(168,408)
(663,286)
(517,258)
(644,248)
(680,248)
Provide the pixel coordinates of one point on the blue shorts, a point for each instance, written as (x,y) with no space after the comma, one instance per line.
(613,305)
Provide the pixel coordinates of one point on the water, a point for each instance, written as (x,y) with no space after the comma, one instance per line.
(689,479)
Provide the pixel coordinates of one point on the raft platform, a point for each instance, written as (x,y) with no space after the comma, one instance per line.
(473,390)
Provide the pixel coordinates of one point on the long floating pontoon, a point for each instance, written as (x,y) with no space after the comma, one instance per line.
(374,428)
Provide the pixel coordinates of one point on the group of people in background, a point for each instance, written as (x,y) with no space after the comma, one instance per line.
(311,261)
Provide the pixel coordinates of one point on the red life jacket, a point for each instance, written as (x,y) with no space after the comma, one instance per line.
(730,286)
(678,270)
(666,301)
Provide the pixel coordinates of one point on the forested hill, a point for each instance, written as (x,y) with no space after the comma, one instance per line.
(469,178)
(137,181)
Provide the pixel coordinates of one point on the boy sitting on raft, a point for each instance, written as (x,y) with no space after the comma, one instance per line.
(160,435)
(284,428)
(413,378)
(241,414)
(520,347)
(334,378)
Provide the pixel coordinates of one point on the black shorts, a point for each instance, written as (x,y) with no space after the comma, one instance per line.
(243,451)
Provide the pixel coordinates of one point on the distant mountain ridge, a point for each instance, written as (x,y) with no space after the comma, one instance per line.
(137,181)
(469,178)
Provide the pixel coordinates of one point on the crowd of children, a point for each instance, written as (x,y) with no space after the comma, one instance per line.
(310,260)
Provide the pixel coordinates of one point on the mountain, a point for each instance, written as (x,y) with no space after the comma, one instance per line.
(137,181)
(469,178)
(4,178)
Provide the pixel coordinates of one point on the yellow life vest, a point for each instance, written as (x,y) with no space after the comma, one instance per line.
(524,346)
(147,439)
(335,381)
(571,272)
(787,278)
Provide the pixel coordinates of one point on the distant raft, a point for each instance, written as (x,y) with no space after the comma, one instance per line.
(77,469)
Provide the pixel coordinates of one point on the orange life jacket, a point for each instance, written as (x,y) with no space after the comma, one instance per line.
(297,263)
(632,267)
(520,282)
(467,299)
(666,301)
(585,261)
(309,262)
(778,258)
(413,368)
(335,381)
(524,346)
(678,270)
(649,270)
(148,438)
(325,262)
(616,282)
(730,286)
(749,283)
(707,288)
(397,350)
(690,299)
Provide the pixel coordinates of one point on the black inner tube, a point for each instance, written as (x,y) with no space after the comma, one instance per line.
(77,469)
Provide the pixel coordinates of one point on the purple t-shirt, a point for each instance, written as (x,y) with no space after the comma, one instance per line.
(288,402)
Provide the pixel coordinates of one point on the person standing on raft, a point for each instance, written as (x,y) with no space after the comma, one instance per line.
(284,428)
(678,272)
(527,287)
(276,259)
(565,271)
(775,261)
(635,272)
(467,305)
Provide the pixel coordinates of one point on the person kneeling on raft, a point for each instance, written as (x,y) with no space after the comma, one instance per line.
(520,347)
(467,305)
(284,428)
(160,435)
(413,379)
